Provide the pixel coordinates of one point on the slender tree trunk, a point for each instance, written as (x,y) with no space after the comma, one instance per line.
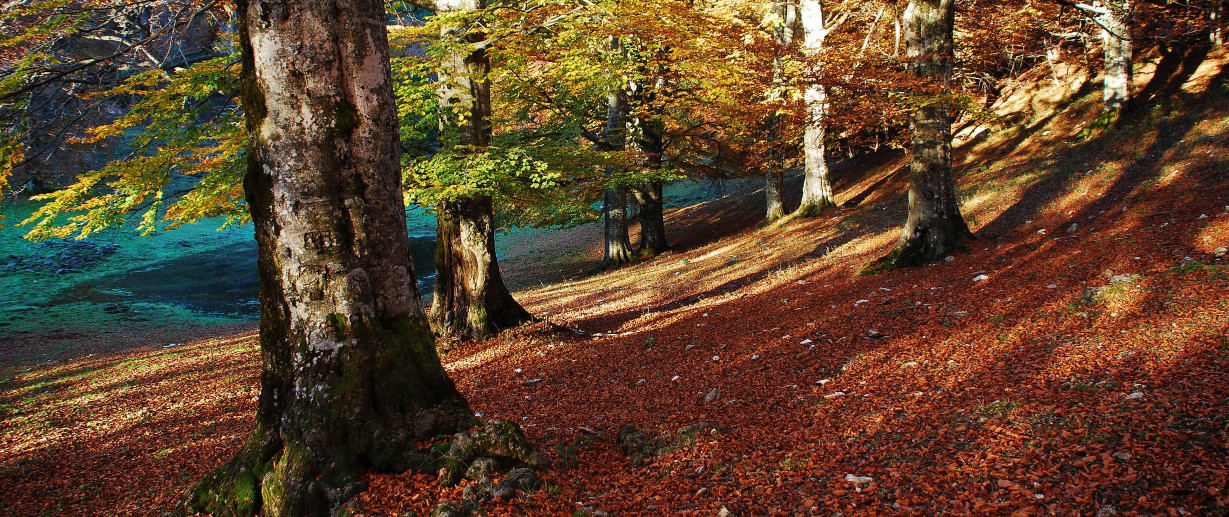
(783,35)
(774,183)
(618,246)
(1217,17)
(470,297)
(816,187)
(935,227)
(1115,21)
(350,379)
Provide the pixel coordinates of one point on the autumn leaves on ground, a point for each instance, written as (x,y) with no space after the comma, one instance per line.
(1074,360)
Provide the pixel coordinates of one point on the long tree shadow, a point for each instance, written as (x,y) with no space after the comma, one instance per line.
(617,320)
(1069,163)
(1179,61)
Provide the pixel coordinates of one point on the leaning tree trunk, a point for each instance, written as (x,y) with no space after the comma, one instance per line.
(470,297)
(350,380)
(935,226)
(1114,18)
(618,246)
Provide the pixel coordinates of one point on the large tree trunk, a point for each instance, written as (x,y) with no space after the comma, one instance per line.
(470,297)
(935,227)
(1115,20)
(652,219)
(647,135)
(816,186)
(350,380)
(618,246)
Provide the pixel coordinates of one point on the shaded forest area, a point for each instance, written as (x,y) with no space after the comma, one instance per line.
(953,258)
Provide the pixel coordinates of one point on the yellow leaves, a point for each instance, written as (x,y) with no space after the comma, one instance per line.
(180,136)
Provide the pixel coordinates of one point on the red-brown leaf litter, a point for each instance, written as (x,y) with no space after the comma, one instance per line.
(1074,361)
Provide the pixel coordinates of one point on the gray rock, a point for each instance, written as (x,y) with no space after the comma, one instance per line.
(481,468)
(448,509)
(1073,228)
(1220,252)
(712,396)
(633,441)
(522,479)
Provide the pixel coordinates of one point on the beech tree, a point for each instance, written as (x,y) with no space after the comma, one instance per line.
(645,129)
(470,298)
(934,227)
(816,188)
(617,246)
(350,379)
(782,21)
(1114,19)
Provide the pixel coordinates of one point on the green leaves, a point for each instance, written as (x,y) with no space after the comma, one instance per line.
(473,171)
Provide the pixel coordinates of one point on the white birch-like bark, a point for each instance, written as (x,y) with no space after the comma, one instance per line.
(1114,17)
(817,187)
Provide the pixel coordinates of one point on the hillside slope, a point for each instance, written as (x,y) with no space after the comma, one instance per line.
(1074,360)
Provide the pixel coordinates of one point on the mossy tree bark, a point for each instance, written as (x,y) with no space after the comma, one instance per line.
(935,227)
(646,130)
(618,246)
(350,379)
(652,219)
(816,187)
(470,299)
(785,14)
(774,196)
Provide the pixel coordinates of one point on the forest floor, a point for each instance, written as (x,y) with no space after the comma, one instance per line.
(1075,360)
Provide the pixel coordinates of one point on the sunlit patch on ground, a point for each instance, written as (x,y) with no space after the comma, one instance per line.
(1075,359)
